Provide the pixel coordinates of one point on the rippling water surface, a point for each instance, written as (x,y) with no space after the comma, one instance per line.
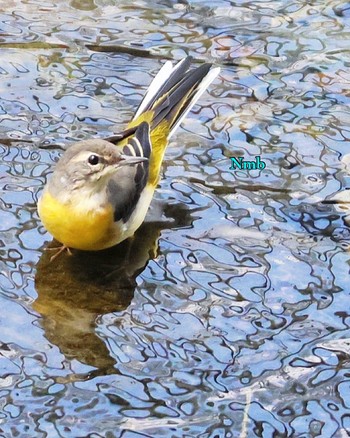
(228,314)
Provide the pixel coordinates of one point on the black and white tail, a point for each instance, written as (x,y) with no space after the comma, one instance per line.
(174,91)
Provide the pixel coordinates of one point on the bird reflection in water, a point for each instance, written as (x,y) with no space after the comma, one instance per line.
(74,290)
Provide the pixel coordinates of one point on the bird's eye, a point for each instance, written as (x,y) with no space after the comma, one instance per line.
(94,159)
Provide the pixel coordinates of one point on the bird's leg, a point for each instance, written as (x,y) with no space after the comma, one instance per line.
(59,250)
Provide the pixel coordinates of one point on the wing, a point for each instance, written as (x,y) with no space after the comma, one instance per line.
(125,187)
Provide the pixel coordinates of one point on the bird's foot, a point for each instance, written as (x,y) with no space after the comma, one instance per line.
(59,250)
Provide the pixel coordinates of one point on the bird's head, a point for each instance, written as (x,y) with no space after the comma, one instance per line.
(89,164)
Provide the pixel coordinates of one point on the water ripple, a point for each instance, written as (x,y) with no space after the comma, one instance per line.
(226,315)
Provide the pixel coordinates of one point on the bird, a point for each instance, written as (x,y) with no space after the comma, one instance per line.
(101,188)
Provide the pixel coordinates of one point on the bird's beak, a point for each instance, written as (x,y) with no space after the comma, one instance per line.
(126,160)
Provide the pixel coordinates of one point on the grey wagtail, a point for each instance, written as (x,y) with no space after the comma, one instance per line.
(100,190)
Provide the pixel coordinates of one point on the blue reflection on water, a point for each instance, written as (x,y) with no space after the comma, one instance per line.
(226,315)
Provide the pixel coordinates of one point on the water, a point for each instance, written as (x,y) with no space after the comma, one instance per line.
(227,315)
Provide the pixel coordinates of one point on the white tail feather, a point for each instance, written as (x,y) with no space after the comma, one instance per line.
(206,81)
(162,76)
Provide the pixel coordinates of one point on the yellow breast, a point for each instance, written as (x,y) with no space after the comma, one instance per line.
(75,227)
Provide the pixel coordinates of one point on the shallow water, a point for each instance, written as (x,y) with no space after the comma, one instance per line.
(227,315)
